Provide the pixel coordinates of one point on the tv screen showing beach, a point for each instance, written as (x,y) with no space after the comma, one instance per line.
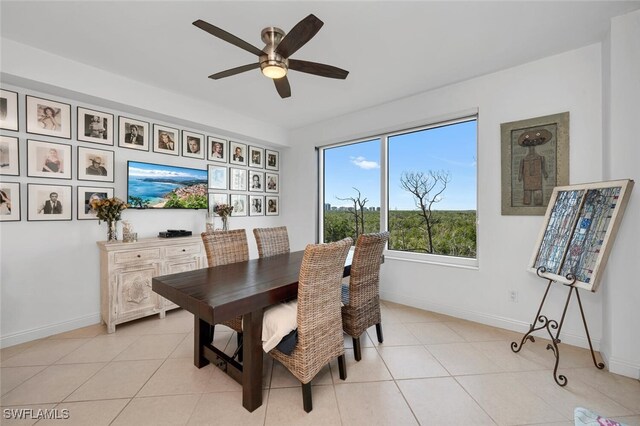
(155,186)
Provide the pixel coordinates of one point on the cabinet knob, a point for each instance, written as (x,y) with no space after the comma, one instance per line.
(184,249)
(139,256)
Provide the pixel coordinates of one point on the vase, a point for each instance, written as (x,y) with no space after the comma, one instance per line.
(225,223)
(112,233)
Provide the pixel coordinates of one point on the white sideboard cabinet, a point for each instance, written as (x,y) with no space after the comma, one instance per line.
(126,270)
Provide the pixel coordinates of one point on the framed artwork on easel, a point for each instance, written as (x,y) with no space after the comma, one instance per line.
(579,229)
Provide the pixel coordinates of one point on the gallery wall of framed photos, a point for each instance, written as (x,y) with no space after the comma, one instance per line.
(56,155)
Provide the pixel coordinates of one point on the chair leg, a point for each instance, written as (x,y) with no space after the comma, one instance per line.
(239,340)
(379,332)
(356,348)
(342,367)
(306,397)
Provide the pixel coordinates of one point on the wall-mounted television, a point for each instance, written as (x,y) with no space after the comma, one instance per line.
(156,186)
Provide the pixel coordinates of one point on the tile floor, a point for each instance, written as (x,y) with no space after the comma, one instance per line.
(430,370)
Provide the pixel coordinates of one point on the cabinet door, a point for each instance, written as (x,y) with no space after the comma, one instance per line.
(134,295)
(175,266)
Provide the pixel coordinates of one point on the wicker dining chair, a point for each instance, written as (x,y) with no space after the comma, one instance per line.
(223,248)
(320,337)
(360,298)
(272,241)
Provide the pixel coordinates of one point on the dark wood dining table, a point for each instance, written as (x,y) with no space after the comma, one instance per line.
(224,292)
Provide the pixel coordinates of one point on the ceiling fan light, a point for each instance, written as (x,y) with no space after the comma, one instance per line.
(274,71)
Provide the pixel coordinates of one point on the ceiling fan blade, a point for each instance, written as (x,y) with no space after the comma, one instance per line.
(283,87)
(234,71)
(299,35)
(322,70)
(229,38)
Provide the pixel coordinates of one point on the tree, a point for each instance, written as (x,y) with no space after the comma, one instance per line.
(427,189)
(358,211)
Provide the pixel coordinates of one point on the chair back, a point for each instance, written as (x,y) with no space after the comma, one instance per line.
(364,283)
(224,247)
(272,241)
(319,317)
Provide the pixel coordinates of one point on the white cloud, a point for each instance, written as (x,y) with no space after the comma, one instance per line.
(363,163)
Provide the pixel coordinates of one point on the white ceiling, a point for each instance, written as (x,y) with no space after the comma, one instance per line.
(392,49)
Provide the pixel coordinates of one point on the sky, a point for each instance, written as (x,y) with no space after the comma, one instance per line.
(449,148)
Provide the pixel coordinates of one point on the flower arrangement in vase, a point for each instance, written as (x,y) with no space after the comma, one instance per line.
(110,211)
(224,211)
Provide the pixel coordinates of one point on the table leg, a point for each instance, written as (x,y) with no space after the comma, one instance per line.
(252,360)
(201,337)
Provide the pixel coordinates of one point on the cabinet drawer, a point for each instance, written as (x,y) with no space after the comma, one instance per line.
(136,255)
(183,250)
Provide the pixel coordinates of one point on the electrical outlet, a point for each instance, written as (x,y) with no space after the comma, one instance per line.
(513,296)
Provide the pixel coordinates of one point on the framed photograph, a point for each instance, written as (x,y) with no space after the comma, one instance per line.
(217,177)
(535,159)
(8,110)
(580,226)
(237,179)
(193,145)
(48,202)
(133,134)
(95,126)
(9,156)
(95,164)
(273,205)
(272,161)
(256,157)
(216,199)
(48,160)
(256,205)
(238,153)
(217,149)
(47,117)
(239,203)
(166,140)
(9,202)
(272,182)
(256,181)
(86,194)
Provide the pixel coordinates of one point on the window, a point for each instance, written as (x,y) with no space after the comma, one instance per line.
(428,197)
(351,190)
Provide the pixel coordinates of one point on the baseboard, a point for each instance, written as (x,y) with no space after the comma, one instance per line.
(49,330)
(621,366)
(568,337)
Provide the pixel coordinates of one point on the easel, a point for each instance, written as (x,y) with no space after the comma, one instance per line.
(550,325)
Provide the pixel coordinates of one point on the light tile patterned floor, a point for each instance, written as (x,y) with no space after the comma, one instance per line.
(431,370)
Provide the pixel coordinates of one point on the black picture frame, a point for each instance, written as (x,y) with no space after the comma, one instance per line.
(9,110)
(217,149)
(189,139)
(256,205)
(169,145)
(95,164)
(95,126)
(272,205)
(256,157)
(272,160)
(126,138)
(239,203)
(9,156)
(39,195)
(43,160)
(256,185)
(10,202)
(85,195)
(237,179)
(48,117)
(237,153)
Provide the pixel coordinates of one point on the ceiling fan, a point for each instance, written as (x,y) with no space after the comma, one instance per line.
(274,59)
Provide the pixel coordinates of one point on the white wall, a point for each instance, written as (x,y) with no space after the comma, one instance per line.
(49,271)
(622,292)
(567,82)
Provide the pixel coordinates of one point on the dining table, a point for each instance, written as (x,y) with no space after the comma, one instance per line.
(224,292)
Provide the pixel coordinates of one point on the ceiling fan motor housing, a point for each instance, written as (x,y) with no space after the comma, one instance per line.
(272,36)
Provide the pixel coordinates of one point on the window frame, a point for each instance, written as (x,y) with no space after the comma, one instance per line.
(383,136)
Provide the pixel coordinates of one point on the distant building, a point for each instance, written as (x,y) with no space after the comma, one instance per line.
(327,207)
